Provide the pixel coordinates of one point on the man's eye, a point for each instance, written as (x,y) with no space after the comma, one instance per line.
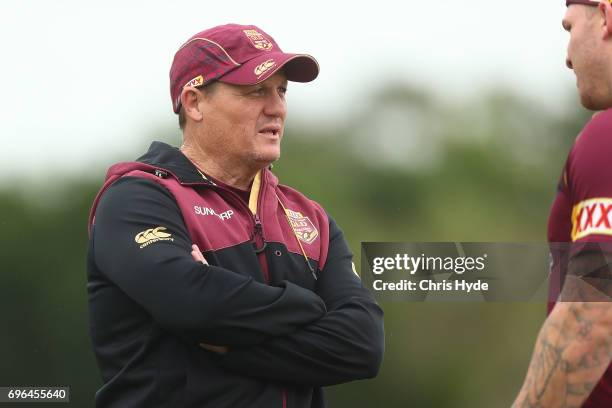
(258,91)
(282,90)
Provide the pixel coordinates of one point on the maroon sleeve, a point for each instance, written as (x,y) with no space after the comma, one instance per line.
(589,181)
(589,173)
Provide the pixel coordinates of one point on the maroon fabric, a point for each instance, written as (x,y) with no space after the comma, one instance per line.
(585,2)
(206,212)
(236,54)
(582,214)
(111,176)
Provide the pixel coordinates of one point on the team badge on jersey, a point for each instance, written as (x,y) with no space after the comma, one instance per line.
(303,227)
(258,40)
(592,217)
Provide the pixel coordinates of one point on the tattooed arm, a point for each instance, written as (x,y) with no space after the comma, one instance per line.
(574,346)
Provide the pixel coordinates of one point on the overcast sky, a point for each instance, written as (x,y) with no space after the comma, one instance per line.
(83,82)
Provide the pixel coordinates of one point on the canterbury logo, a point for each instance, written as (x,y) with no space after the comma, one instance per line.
(152,235)
(264,67)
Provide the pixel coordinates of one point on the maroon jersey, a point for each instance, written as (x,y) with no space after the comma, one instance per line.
(582,214)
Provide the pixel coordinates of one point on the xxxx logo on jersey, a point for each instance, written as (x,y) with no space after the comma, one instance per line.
(148,237)
(592,217)
(302,226)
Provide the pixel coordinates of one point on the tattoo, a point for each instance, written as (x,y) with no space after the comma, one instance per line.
(545,362)
(572,352)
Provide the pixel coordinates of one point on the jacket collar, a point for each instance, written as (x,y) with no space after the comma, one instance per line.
(165,157)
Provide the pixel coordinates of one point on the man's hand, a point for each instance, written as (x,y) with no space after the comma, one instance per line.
(215,349)
(197,254)
(198,257)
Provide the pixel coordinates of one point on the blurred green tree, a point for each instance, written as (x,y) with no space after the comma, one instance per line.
(405,168)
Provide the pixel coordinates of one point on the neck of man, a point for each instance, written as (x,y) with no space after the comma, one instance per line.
(220,168)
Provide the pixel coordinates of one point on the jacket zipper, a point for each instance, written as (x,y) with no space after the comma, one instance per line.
(257,236)
(258,240)
(260,253)
(258,230)
(259,243)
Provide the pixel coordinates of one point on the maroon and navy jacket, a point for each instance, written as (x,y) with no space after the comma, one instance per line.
(279,291)
(581,215)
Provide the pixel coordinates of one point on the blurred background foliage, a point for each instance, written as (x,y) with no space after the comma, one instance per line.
(403,167)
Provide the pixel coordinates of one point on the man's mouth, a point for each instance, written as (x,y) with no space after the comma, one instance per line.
(273,131)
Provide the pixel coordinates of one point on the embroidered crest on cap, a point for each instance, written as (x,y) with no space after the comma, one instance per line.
(264,67)
(592,217)
(303,227)
(258,40)
(197,81)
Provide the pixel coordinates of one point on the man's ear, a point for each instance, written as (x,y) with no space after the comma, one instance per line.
(190,100)
(605,10)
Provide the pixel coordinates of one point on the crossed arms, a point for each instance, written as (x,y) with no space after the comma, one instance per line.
(287,333)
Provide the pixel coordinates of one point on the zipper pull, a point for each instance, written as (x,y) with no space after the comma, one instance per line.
(259,243)
(314,274)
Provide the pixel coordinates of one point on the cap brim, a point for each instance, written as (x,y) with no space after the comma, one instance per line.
(297,67)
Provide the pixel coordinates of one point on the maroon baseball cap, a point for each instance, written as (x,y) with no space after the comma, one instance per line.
(585,2)
(235,54)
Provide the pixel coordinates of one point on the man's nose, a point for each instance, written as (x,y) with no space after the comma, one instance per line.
(568,63)
(276,106)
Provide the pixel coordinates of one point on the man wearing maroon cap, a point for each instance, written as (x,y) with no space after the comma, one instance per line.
(210,284)
(570,366)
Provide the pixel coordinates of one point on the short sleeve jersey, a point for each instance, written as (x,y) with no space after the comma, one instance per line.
(582,213)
